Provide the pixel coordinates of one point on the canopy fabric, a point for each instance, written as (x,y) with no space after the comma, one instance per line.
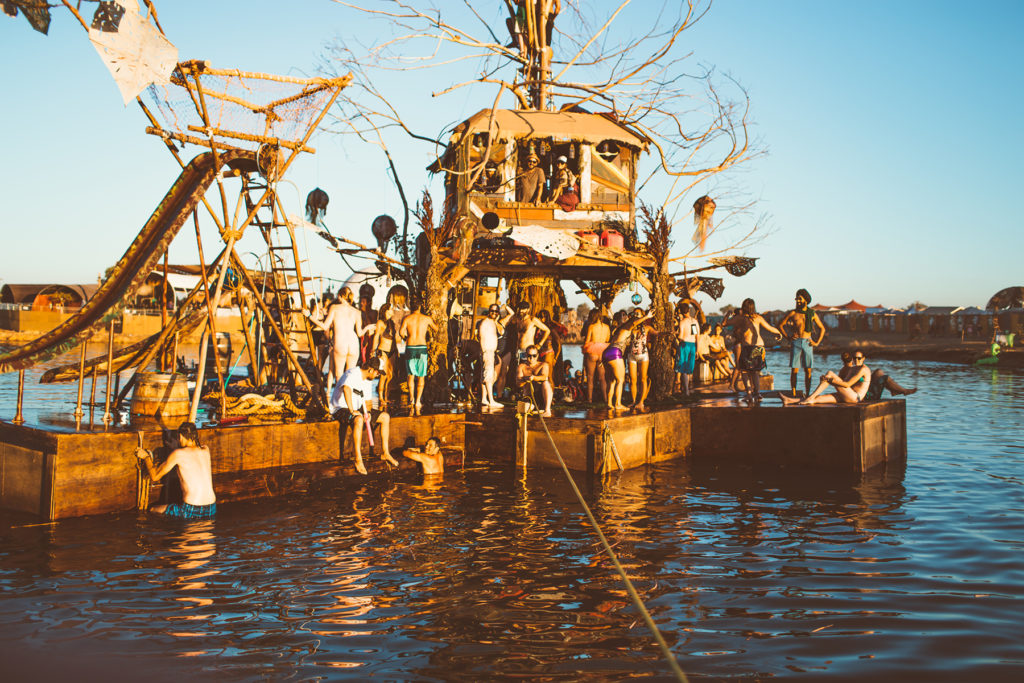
(852,305)
(508,123)
(133,50)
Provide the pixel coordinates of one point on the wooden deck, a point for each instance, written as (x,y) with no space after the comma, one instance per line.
(56,474)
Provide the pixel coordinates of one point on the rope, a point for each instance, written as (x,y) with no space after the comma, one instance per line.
(637,601)
(257,404)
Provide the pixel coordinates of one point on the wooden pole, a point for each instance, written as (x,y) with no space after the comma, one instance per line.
(201,371)
(163,312)
(254,369)
(18,417)
(81,380)
(92,390)
(110,368)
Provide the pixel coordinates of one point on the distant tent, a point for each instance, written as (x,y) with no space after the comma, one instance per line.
(852,305)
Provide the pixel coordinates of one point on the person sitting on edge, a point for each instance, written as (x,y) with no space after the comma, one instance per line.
(352,393)
(880,381)
(851,383)
(535,371)
(798,326)
(414,330)
(430,457)
(194,471)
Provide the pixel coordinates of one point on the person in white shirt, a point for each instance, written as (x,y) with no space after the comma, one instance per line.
(488,332)
(350,402)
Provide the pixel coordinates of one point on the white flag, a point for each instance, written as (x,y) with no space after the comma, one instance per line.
(135,52)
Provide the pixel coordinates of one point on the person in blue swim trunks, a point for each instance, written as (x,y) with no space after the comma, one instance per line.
(415,329)
(799,327)
(192,461)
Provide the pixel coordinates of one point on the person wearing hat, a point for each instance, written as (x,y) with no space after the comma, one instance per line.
(350,401)
(530,185)
(563,185)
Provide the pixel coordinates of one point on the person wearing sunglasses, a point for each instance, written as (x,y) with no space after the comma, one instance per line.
(851,383)
(533,372)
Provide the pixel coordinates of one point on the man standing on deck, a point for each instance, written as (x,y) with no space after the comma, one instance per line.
(798,327)
(747,324)
(194,471)
(350,400)
(414,330)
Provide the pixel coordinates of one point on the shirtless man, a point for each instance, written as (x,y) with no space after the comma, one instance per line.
(530,326)
(431,457)
(533,369)
(798,326)
(487,332)
(414,330)
(193,463)
(345,324)
(687,332)
(851,383)
(748,324)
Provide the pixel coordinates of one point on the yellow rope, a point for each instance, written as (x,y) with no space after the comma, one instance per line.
(257,404)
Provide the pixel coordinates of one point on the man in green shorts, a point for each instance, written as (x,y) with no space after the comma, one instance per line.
(415,328)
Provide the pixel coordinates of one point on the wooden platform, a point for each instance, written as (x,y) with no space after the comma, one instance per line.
(56,474)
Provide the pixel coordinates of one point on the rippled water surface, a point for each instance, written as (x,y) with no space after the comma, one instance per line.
(488,575)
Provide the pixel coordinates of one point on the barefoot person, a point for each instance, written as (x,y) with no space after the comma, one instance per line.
(532,372)
(686,332)
(748,324)
(488,331)
(595,341)
(639,358)
(350,403)
(851,383)
(614,358)
(880,382)
(430,457)
(345,324)
(798,326)
(384,348)
(414,330)
(193,464)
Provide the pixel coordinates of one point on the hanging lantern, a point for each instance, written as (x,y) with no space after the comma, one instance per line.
(383,228)
(703,211)
(636,299)
(316,205)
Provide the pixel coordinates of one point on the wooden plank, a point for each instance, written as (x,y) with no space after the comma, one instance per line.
(21,479)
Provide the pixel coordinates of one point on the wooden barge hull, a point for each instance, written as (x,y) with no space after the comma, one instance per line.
(56,475)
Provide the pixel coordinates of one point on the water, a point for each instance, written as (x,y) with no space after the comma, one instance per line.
(487,575)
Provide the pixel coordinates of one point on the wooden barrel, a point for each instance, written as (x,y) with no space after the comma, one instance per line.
(158,393)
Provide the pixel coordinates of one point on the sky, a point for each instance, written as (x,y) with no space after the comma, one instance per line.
(892,134)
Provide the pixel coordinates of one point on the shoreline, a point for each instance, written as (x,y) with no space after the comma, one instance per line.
(884,346)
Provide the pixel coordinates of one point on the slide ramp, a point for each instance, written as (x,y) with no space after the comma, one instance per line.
(133,267)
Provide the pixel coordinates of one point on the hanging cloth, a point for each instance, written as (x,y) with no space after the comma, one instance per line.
(134,51)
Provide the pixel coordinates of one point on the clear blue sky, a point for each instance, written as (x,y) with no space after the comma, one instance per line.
(893,133)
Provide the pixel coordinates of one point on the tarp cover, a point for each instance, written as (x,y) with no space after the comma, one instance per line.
(547,242)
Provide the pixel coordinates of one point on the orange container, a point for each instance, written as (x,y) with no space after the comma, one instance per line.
(588,236)
(612,239)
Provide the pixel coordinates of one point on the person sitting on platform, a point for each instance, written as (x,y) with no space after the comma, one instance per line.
(430,457)
(851,384)
(349,400)
(880,381)
(194,471)
(533,371)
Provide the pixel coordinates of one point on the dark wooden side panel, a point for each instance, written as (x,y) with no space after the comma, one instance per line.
(672,435)
(22,473)
(94,473)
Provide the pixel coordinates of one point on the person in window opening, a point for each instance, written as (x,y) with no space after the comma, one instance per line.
(530,188)
(563,186)
(489,181)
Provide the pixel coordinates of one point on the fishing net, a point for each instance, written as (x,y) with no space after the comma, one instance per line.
(242,109)
(687,287)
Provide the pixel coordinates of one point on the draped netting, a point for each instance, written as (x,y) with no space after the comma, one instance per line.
(243,109)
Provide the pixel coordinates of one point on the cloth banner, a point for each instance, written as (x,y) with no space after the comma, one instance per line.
(134,51)
(547,242)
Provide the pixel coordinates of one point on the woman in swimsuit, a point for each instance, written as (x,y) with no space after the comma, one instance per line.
(639,359)
(720,356)
(384,348)
(613,359)
(552,347)
(595,341)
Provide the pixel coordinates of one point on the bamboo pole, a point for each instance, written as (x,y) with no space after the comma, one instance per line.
(201,371)
(18,417)
(250,348)
(81,380)
(210,305)
(92,391)
(110,369)
(163,312)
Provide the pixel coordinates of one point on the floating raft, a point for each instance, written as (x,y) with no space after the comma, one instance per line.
(59,474)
